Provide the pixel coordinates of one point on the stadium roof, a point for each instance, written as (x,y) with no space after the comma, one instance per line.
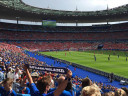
(10,9)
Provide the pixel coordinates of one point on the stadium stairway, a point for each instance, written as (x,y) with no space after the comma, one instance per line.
(78,72)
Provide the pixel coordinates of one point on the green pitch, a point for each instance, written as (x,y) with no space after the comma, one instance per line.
(119,66)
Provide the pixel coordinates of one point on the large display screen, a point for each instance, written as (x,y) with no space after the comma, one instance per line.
(49,23)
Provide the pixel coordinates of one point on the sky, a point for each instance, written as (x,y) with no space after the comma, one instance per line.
(82,5)
(72,5)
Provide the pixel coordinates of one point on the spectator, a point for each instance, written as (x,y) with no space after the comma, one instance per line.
(17,73)
(90,91)
(6,90)
(120,92)
(125,89)
(86,82)
(68,90)
(16,86)
(43,85)
(109,94)
(10,74)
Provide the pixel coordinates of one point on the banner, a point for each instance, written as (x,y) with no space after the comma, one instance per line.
(61,70)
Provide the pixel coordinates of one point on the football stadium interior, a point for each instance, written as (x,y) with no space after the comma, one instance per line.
(97,52)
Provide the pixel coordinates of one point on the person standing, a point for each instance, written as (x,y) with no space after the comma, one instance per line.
(108,58)
(111,77)
(118,56)
(65,54)
(10,74)
(74,68)
(95,58)
(17,73)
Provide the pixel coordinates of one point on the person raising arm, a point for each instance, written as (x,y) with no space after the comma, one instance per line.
(43,85)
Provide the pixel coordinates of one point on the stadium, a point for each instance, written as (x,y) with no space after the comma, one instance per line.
(38,55)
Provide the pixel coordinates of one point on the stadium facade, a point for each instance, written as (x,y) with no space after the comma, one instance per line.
(11,9)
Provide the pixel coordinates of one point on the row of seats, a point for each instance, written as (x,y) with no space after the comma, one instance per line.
(45,46)
(14,35)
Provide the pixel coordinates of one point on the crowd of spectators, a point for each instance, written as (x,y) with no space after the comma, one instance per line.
(54,46)
(14,35)
(47,46)
(25,32)
(113,45)
(17,79)
(69,45)
(54,40)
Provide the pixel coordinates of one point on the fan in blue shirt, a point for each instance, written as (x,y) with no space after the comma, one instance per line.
(6,90)
(43,85)
(68,90)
